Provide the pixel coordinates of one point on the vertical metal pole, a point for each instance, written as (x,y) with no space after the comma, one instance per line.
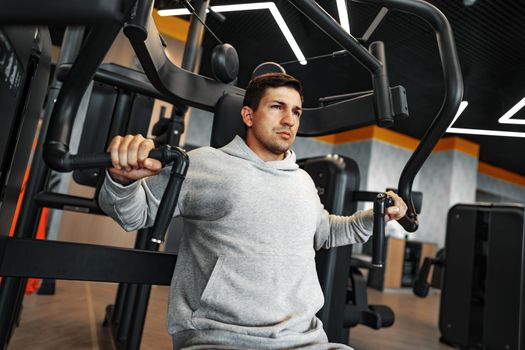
(189,62)
(56,182)
(195,34)
(140,307)
(127,301)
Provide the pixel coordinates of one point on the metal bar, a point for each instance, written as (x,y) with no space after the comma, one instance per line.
(61,12)
(382,99)
(342,97)
(195,34)
(179,85)
(121,114)
(98,42)
(122,331)
(120,77)
(453,95)
(140,305)
(327,24)
(67,202)
(83,262)
(349,114)
(138,317)
(366,196)
(93,51)
(116,313)
(375,23)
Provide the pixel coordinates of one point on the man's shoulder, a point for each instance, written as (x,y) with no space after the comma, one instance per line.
(303,174)
(205,155)
(203,152)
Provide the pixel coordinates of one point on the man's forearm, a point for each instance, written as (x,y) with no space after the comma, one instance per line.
(335,231)
(126,204)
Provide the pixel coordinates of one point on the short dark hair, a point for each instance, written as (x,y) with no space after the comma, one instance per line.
(257,87)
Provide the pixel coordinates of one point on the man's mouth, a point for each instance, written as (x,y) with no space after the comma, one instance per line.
(285,134)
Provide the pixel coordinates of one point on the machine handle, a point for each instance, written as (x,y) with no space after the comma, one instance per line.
(58,154)
(381,202)
(169,199)
(56,148)
(453,93)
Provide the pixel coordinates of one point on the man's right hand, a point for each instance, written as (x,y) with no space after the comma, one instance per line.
(129,155)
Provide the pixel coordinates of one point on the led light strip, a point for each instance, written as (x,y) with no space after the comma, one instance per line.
(486,132)
(247,7)
(505,119)
(343,15)
(461,108)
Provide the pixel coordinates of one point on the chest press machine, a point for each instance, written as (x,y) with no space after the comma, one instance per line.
(162,79)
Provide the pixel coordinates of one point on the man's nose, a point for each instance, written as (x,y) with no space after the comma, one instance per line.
(288,118)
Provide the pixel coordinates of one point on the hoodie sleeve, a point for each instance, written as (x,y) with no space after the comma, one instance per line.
(135,206)
(333,230)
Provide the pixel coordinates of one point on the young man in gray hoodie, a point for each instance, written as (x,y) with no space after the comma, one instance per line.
(245,277)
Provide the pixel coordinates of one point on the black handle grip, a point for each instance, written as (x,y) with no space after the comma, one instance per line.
(381,202)
(421,286)
(57,154)
(410,221)
(166,208)
(60,159)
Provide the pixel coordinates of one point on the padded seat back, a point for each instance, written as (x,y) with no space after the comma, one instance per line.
(227,121)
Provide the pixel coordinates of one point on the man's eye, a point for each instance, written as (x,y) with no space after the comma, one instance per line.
(297,114)
(276,106)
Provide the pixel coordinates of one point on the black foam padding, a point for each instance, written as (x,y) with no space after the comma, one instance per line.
(227,121)
(225,63)
(267,67)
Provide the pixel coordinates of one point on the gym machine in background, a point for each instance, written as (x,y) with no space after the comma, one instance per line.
(481,275)
(82,262)
(337,180)
(25,58)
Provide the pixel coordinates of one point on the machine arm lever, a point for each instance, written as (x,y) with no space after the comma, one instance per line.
(381,202)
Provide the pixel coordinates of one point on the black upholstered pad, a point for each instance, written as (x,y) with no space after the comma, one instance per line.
(227,121)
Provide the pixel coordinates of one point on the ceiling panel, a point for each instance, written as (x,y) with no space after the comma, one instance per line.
(490,39)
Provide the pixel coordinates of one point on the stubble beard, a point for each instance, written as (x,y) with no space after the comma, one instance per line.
(272,143)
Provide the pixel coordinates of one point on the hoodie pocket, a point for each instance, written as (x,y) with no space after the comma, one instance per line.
(260,291)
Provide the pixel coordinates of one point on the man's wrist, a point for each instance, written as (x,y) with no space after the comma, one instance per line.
(121,180)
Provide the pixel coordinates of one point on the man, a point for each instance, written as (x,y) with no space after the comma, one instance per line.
(245,276)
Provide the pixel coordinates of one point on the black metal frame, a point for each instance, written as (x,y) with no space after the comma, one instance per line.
(203,93)
(191,89)
(85,262)
(11,289)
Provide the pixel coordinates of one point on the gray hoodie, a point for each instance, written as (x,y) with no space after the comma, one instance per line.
(245,277)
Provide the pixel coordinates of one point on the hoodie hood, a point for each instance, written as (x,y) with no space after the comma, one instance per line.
(238,148)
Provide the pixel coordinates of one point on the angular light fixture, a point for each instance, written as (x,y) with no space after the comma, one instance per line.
(461,108)
(342,9)
(506,118)
(484,132)
(247,7)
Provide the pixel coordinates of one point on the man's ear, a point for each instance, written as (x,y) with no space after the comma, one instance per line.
(247,116)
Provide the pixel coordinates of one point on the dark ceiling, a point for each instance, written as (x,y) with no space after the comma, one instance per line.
(490,39)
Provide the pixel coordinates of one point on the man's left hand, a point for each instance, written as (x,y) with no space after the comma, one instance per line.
(398,210)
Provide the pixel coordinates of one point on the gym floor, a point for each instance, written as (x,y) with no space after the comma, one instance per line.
(72,319)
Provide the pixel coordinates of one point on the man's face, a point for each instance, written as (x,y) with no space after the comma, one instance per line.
(273,125)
